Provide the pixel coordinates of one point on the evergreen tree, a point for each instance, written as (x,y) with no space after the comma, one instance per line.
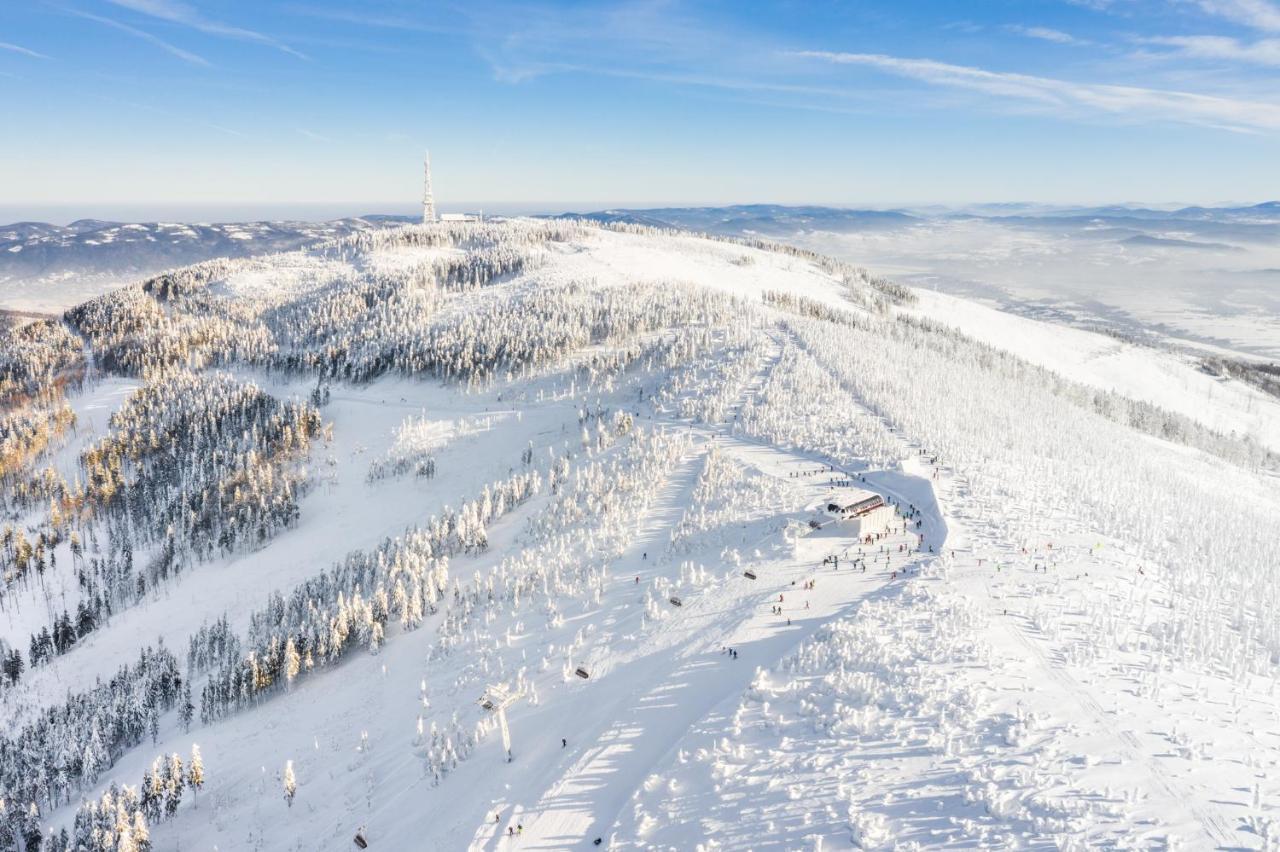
(141,834)
(153,786)
(290,783)
(32,834)
(187,708)
(175,782)
(292,663)
(195,770)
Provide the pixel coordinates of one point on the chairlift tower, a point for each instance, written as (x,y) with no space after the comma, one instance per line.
(428,198)
(496,699)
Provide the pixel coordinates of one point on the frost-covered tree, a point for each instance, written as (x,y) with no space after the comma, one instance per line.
(195,770)
(290,783)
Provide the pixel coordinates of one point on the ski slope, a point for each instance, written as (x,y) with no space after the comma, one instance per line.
(1065,639)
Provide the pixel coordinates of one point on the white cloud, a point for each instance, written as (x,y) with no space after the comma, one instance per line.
(17,48)
(1046,34)
(1258,14)
(1261,52)
(184,55)
(1062,96)
(180,13)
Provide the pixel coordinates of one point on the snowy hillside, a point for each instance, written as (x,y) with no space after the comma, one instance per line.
(49,268)
(282,534)
(1194,278)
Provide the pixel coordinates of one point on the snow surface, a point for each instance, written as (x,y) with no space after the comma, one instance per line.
(968,685)
(1139,372)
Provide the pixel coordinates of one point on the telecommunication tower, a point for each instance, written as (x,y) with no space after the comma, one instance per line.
(428,198)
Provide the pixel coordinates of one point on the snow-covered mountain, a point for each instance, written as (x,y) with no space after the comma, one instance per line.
(52,267)
(309,520)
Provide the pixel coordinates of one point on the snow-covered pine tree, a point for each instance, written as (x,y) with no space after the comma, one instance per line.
(195,770)
(186,707)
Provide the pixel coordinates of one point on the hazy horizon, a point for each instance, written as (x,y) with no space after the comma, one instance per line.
(64,214)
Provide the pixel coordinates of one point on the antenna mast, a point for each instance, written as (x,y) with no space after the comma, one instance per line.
(428,199)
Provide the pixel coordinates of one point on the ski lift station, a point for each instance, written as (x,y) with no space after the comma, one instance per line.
(859,512)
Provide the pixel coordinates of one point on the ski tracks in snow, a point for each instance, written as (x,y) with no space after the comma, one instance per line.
(1215,828)
(693,675)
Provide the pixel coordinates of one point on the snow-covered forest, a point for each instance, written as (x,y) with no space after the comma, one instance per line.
(291,545)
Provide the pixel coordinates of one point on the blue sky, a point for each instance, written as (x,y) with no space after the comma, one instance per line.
(253,104)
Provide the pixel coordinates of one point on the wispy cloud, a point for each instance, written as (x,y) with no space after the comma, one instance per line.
(187,16)
(25,51)
(1262,52)
(1066,97)
(186,119)
(665,42)
(1046,34)
(524,41)
(376,21)
(184,55)
(1258,14)
(311,134)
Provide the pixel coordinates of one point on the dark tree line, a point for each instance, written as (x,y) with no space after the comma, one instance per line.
(36,357)
(196,463)
(66,746)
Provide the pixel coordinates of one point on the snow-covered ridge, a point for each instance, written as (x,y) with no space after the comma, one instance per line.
(319,503)
(1164,379)
(50,268)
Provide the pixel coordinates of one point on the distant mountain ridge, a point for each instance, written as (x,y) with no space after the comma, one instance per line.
(30,250)
(776,219)
(753,218)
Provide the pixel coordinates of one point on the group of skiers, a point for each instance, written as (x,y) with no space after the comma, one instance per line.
(512,830)
(797,474)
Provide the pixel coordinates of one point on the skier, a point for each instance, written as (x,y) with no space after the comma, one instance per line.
(564,743)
